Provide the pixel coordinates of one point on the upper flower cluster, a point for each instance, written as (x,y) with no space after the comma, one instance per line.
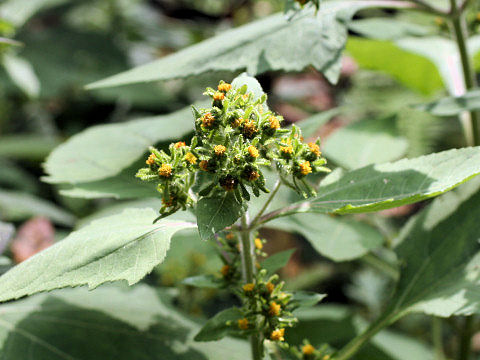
(233,139)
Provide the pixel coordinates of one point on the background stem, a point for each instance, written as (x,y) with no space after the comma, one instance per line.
(437,338)
(247,250)
(465,339)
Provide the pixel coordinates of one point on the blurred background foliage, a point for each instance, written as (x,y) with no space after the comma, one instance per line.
(50,49)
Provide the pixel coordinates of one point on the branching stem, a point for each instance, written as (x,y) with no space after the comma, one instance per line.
(254,222)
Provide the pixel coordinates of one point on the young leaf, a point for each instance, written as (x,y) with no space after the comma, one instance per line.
(110,322)
(272,43)
(104,151)
(217,328)
(307,298)
(277,261)
(202,281)
(120,247)
(384,186)
(451,106)
(217,212)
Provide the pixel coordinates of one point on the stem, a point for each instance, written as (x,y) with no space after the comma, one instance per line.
(267,203)
(459,28)
(380,264)
(353,346)
(247,250)
(437,338)
(465,339)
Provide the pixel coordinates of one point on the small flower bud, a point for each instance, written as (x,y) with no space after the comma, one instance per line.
(314,148)
(253,151)
(228,182)
(208,120)
(151,159)
(249,129)
(224,87)
(270,287)
(192,159)
(165,170)
(305,168)
(243,324)
(203,165)
(179,144)
(218,96)
(225,270)
(258,244)
(230,236)
(274,309)
(248,287)
(278,335)
(219,150)
(308,349)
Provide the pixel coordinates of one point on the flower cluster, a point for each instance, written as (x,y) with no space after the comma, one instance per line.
(308,352)
(233,139)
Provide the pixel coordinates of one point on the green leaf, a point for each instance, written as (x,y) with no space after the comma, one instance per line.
(119,247)
(217,212)
(277,261)
(384,186)
(388,28)
(307,298)
(104,151)
(17,205)
(339,239)
(22,74)
(451,106)
(310,125)
(272,43)
(26,147)
(202,281)
(18,12)
(366,142)
(110,322)
(217,328)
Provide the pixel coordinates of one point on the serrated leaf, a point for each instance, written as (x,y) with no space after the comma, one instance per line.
(277,261)
(384,186)
(110,322)
(339,239)
(217,327)
(365,142)
(451,106)
(119,247)
(217,212)
(272,43)
(104,151)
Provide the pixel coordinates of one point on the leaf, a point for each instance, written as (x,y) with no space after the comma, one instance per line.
(202,281)
(451,106)
(22,74)
(307,298)
(277,261)
(269,44)
(104,151)
(217,328)
(388,28)
(29,147)
(110,322)
(339,239)
(366,142)
(312,124)
(17,205)
(216,213)
(384,186)
(119,247)
(18,12)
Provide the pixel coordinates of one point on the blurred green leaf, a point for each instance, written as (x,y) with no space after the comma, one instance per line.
(365,142)
(26,146)
(217,327)
(269,44)
(14,176)
(307,298)
(120,247)
(451,106)
(22,74)
(277,261)
(388,28)
(202,281)
(17,205)
(312,124)
(18,12)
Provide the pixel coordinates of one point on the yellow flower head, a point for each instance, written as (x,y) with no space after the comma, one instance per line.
(219,150)
(218,96)
(274,123)
(278,335)
(308,349)
(253,151)
(203,165)
(236,122)
(165,170)
(180,144)
(230,236)
(151,159)
(258,243)
(270,287)
(274,309)
(314,148)
(249,129)
(225,87)
(225,270)
(288,150)
(208,120)
(253,175)
(305,168)
(248,287)
(243,324)
(192,159)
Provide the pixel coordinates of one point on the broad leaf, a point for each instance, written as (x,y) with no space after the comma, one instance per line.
(217,212)
(366,142)
(17,205)
(18,12)
(270,44)
(336,238)
(22,74)
(450,106)
(277,261)
(26,147)
(104,151)
(384,186)
(119,247)
(388,28)
(220,325)
(110,322)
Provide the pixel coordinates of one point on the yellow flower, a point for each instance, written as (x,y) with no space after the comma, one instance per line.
(218,96)
(270,287)
(253,151)
(314,148)
(278,335)
(326,357)
(308,349)
(208,120)
(225,270)
(179,144)
(274,309)
(248,287)
(274,123)
(236,122)
(151,159)
(219,150)
(305,168)
(192,159)
(225,87)
(165,170)
(258,244)
(286,149)
(249,129)
(243,324)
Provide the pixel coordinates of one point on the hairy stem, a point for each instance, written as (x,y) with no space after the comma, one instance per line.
(247,250)
(457,19)
(265,206)
(465,339)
